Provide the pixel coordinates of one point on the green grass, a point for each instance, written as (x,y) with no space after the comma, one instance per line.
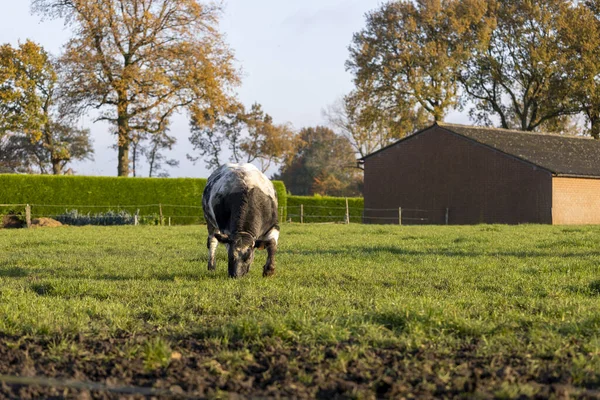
(534,290)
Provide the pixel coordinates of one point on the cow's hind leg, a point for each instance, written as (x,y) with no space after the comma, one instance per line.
(212,250)
(269,268)
(211,244)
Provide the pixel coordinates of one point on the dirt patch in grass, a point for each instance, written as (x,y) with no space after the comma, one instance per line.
(187,367)
(45,223)
(16,222)
(12,222)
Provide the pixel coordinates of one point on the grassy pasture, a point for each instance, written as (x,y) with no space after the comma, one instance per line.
(355,311)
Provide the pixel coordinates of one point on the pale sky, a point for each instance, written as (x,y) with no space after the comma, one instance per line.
(291,54)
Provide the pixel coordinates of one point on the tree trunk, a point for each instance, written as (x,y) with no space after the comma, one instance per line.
(134,149)
(595,127)
(151,160)
(151,169)
(57,168)
(124,140)
(123,168)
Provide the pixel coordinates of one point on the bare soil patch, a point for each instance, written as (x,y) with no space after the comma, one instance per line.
(45,222)
(12,222)
(199,369)
(15,222)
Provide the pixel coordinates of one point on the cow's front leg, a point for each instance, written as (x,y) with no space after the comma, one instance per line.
(269,268)
(212,243)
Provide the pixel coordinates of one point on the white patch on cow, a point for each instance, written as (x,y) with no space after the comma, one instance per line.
(253,178)
(272,235)
(212,249)
(228,181)
(213,245)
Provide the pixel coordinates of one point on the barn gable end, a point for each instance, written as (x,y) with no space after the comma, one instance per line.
(461,174)
(437,173)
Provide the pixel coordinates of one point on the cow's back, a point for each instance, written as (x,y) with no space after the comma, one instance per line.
(240,198)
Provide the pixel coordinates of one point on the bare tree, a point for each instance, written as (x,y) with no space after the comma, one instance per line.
(155,157)
(364,138)
(250,136)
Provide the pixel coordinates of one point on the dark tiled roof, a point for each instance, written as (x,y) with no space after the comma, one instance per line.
(560,154)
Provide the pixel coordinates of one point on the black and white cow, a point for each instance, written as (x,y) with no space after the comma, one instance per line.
(240,207)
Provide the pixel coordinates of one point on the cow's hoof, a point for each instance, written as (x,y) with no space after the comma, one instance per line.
(268,272)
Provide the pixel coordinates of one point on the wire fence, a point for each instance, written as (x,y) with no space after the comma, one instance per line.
(174,214)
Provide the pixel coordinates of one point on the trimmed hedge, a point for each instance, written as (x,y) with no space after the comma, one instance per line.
(325,209)
(282,197)
(53,195)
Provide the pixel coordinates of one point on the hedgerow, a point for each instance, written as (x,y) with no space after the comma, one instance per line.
(179,198)
(324,209)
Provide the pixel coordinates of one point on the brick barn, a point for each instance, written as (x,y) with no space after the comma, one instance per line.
(468,175)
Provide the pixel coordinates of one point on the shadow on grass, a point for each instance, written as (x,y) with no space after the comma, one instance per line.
(8,271)
(394,321)
(169,277)
(398,251)
(595,287)
(43,289)
(192,276)
(592,289)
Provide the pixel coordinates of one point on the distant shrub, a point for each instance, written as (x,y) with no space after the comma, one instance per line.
(281,199)
(17,215)
(12,218)
(74,217)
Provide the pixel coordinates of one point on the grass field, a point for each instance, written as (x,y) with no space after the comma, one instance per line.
(353,311)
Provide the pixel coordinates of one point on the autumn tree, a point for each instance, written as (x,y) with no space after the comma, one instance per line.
(34,113)
(248,136)
(22,71)
(580,35)
(523,77)
(406,61)
(323,163)
(141,61)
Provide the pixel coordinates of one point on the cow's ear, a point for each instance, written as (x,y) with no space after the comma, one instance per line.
(223,238)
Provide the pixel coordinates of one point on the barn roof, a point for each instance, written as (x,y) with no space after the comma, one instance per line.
(565,155)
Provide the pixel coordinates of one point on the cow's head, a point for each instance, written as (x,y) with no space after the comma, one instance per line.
(240,252)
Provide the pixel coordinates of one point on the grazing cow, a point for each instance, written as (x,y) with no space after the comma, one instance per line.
(240,208)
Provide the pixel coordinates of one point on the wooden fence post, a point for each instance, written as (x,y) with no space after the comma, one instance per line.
(169,221)
(161,213)
(347,212)
(399,215)
(28,215)
(301,213)
(447,215)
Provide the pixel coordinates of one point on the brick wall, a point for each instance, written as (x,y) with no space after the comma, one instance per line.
(437,169)
(576,201)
